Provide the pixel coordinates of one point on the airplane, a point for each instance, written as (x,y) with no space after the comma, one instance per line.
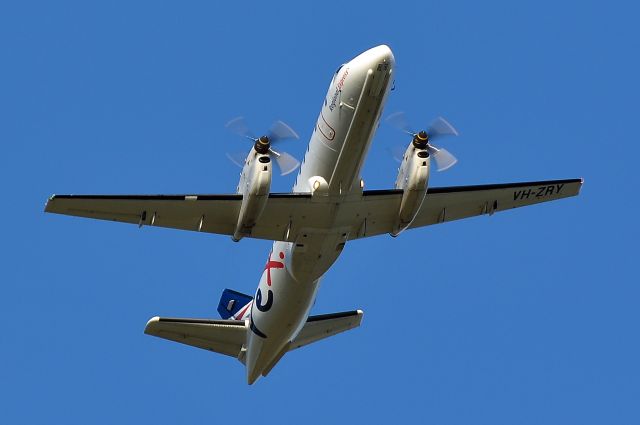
(310,226)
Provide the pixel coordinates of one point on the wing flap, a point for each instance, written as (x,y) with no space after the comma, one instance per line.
(221,336)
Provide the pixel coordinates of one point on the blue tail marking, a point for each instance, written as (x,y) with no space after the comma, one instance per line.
(231,302)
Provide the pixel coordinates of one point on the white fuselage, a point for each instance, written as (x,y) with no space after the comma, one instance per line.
(331,167)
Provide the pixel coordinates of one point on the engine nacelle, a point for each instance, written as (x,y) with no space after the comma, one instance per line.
(255,185)
(413,178)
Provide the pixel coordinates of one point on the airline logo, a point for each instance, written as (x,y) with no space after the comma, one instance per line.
(259,302)
(243,313)
(339,86)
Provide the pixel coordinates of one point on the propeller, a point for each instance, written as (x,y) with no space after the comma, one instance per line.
(277,132)
(422,139)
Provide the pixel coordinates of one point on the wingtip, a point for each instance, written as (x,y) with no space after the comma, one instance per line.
(48,203)
(150,323)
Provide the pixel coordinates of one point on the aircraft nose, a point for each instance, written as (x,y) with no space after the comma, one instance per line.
(382,53)
(375,56)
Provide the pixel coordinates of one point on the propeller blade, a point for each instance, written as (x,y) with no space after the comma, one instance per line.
(239,126)
(278,131)
(237,158)
(281,131)
(440,127)
(444,159)
(286,162)
(399,121)
(397,153)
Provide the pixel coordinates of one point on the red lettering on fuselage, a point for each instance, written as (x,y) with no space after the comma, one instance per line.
(273,265)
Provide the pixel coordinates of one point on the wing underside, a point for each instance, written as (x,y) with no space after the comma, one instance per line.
(221,336)
(444,204)
(288,217)
(326,325)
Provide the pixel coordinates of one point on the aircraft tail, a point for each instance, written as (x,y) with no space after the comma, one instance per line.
(320,327)
(234,305)
(229,337)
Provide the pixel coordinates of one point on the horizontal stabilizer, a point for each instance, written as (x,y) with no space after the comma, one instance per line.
(320,327)
(222,336)
(326,325)
(229,336)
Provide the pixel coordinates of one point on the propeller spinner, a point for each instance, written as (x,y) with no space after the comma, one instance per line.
(422,139)
(277,132)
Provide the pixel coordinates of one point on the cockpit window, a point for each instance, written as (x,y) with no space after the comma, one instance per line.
(337,70)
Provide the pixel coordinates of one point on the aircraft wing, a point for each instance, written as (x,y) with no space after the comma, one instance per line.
(291,216)
(205,213)
(443,204)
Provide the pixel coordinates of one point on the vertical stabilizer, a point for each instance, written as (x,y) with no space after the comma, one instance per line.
(233,304)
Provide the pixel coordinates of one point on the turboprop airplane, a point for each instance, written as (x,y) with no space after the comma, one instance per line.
(310,226)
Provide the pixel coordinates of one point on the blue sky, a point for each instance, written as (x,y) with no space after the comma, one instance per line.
(529,316)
